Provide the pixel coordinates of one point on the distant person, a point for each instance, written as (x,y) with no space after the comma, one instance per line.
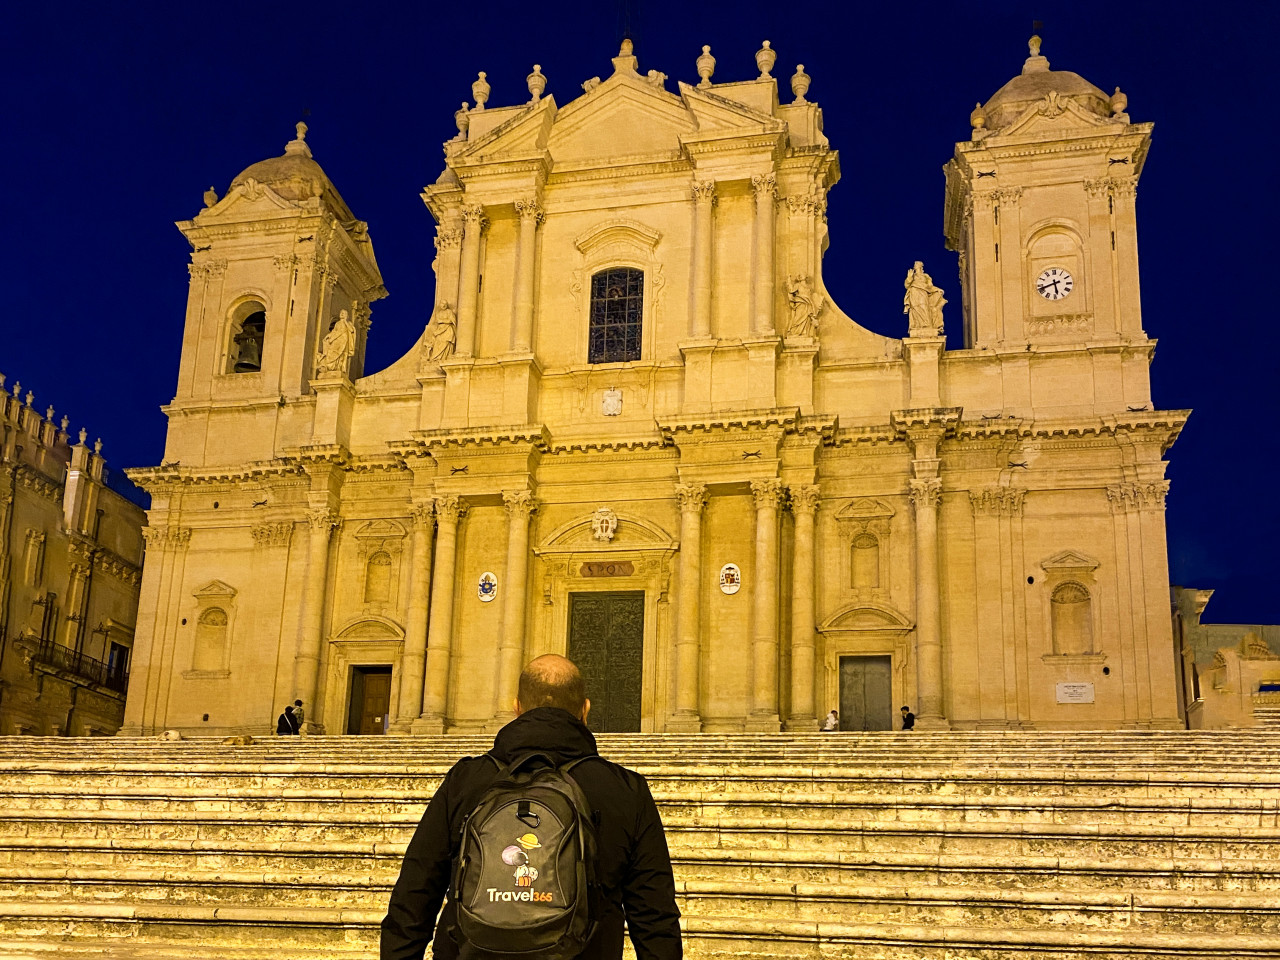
(287,725)
(498,795)
(298,714)
(908,719)
(831,723)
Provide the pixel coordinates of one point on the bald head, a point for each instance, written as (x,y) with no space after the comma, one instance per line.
(552,681)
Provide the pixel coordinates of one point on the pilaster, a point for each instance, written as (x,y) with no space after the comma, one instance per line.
(764,645)
(688,660)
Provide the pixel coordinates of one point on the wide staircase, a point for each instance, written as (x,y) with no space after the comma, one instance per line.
(889,846)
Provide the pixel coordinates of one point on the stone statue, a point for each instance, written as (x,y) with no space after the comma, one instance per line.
(805,307)
(922,303)
(338,347)
(444,335)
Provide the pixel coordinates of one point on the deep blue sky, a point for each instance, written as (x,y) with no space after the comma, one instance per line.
(118,116)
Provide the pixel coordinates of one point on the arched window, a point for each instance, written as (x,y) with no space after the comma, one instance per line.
(866,562)
(1072,619)
(377,578)
(617,310)
(211,640)
(247,335)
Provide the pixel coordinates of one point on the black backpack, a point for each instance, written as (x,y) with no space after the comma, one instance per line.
(524,879)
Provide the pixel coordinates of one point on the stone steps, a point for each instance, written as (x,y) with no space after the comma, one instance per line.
(969,845)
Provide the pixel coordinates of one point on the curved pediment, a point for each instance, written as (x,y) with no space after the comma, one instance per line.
(867,616)
(370,628)
(631,533)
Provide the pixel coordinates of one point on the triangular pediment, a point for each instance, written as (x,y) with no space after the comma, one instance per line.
(623,117)
(523,134)
(865,508)
(381,530)
(247,201)
(1069,560)
(1053,116)
(215,588)
(714,114)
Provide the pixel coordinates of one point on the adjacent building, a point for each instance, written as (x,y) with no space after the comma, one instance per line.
(70,571)
(637,430)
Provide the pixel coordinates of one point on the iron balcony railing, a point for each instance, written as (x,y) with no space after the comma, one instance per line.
(64,658)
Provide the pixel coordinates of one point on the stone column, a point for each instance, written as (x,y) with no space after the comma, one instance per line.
(415,640)
(449,509)
(762,324)
(926,494)
(687,718)
(515,598)
(530,214)
(764,645)
(804,503)
(473,225)
(306,663)
(704,198)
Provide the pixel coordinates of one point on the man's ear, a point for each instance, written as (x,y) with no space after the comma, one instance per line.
(516,704)
(586,709)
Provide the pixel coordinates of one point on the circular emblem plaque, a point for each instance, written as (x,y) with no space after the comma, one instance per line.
(487,589)
(730,578)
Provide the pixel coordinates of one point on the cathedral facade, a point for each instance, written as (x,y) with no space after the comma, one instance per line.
(638,431)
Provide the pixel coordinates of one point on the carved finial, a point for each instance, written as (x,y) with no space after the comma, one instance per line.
(1035,63)
(765,58)
(1033,45)
(1119,103)
(30,396)
(17,388)
(62,424)
(302,130)
(48,413)
(84,435)
(463,119)
(978,118)
(706,66)
(537,83)
(480,91)
(2,379)
(800,83)
(627,47)
(210,197)
(97,446)
(298,145)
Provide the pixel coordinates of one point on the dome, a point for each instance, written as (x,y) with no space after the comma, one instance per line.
(295,176)
(1034,83)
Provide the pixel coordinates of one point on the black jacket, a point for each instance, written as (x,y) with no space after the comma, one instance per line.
(286,725)
(632,864)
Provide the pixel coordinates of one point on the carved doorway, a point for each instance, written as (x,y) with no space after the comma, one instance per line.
(606,641)
(370,701)
(866,692)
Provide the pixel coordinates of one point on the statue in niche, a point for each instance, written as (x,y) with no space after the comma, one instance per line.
(922,303)
(443,339)
(338,347)
(805,304)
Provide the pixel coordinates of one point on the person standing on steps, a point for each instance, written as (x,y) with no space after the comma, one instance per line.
(831,723)
(298,714)
(287,724)
(908,719)
(633,883)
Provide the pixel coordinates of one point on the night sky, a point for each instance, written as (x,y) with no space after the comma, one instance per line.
(118,116)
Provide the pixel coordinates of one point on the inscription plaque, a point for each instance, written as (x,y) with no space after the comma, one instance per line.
(611,568)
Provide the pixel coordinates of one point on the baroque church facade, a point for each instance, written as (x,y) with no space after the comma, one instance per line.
(638,431)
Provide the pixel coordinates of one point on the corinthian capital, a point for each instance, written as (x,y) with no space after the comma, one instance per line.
(448,238)
(519,503)
(767,492)
(449,508)
(804,499)
(422,512)
(704,191)
(528,208)
(692,496)
(765,185)
(323,521)
(925,493)
(473,216)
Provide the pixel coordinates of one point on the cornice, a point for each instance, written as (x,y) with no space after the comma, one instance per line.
(786,418)
(172,476)
(865,436)
(534,436)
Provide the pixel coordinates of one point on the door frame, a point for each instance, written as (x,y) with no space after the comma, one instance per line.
(559,571)
(893,704)
(363,670)
(643,661)
(868,630)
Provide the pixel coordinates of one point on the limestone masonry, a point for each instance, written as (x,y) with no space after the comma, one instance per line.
(637,430)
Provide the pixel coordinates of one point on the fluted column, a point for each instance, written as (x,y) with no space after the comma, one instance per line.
(687,719)
(306,663)
(926,494)
(763,258)
(804,503)
(520,506)
(415,641)
(530,214)
(440,626)
(473,225)
(704,198)
(764,689)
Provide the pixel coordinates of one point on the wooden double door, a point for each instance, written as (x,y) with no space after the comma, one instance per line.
(606,641)
(866,693)
(370,700)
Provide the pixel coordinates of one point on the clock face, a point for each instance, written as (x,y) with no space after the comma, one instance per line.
(1054,284)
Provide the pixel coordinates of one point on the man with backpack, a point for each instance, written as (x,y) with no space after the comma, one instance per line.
(542,848)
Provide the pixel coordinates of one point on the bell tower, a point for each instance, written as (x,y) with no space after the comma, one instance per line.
(274,264)
(1040,207)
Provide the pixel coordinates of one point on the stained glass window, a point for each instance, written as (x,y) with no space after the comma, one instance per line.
(617,308)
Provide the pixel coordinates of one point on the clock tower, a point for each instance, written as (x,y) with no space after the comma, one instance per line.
(1040,207)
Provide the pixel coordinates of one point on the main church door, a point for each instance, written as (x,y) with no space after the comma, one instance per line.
(370,700)
(606,641)
(865,693)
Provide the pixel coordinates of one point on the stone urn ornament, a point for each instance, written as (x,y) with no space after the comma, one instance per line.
(765,59)
(537,83)
(463,119)
(800,83)
(480,91)
(706,66)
